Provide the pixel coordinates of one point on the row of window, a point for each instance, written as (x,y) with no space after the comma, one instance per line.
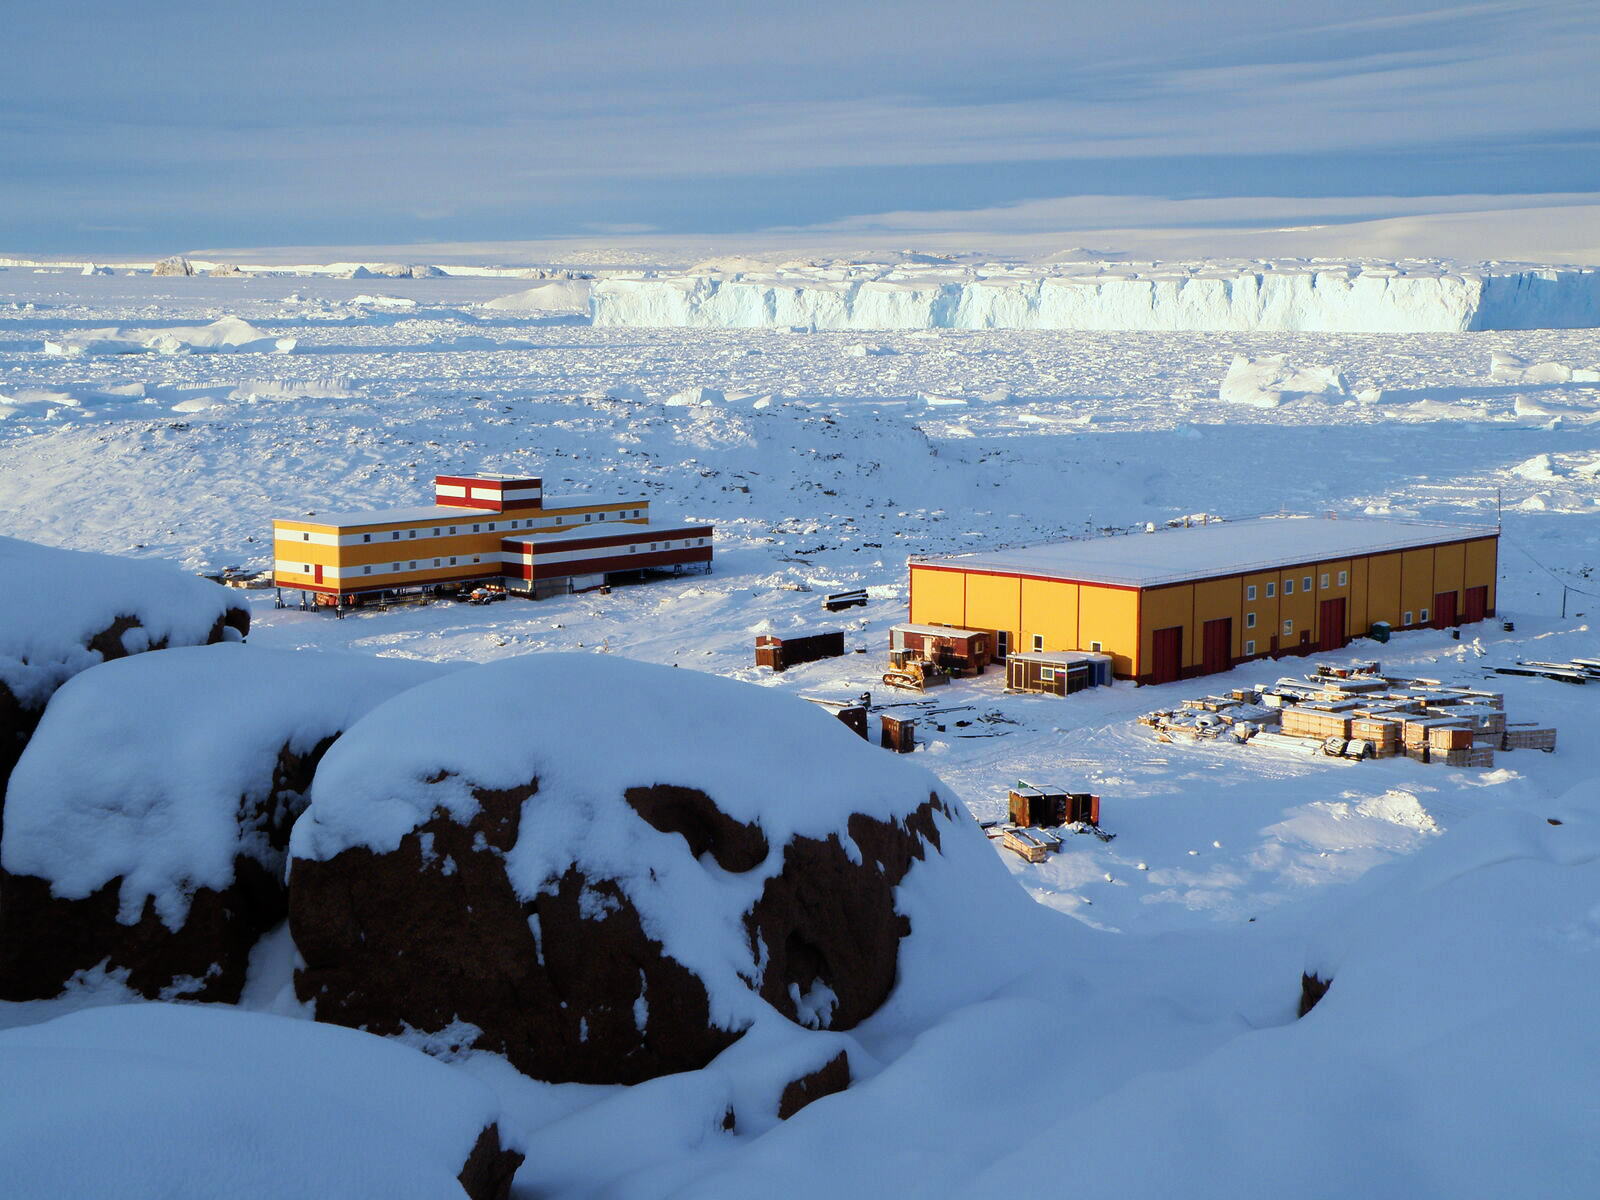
(450,530)
(1038,638)
(1288,585)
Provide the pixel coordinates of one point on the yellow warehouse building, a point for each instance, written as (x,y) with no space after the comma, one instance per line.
(1183,602)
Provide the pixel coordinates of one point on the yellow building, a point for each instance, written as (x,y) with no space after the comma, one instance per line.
(1185,602)
(481,528)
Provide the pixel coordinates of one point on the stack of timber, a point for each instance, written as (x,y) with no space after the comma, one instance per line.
(1032,845)
(1358,712)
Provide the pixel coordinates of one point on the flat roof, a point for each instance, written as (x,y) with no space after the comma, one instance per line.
(391,516)
(591,501)
(1208,551)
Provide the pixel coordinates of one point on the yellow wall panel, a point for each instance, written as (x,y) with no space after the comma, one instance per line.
(1383,588)
(1214,600)
(994,602)
(1050,611)
(1416,587)
(936,597)
(1360,580)
(1449,567)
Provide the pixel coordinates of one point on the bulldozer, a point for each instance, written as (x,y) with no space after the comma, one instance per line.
(913,673)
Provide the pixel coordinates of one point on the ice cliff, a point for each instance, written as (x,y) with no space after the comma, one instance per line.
(1313,297)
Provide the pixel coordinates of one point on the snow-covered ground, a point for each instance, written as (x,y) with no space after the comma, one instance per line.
(1166,994)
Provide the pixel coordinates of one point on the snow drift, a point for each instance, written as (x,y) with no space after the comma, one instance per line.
(1329,298)
(562,296)
(157,1100)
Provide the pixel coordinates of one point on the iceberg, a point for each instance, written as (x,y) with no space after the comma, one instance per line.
(1319,297)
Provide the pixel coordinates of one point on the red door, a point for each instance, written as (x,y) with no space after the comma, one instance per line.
(1444,610)
(317,573)
(1332,626)
(1477,604)
(1217,647)
(1167,655)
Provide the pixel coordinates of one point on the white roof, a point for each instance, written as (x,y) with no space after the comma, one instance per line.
(1207,551)
(442,513)
(1055,658)
(592,501)
(936,630)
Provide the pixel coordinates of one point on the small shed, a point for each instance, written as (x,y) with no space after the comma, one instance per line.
(952,648)
(1057,673)
(782,653)
(1033,807)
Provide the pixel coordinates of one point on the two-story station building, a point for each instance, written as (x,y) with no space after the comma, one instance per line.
(482,529)
(1184,602)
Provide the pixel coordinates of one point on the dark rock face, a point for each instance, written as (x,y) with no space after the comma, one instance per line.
(490,1168)
(568,986)
(46,939)
(1312,989)
(433,933)
(827,920)
(831,1077)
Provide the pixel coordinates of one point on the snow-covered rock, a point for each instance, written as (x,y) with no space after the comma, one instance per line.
(1331,298)
(1269,380)
(63,611)
(147,822)
(611,869)
(159,1100)
(176,265)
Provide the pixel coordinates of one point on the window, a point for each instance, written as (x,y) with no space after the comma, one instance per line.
(1424,616)
(475,529)
(307,567)
(1408,619)
(631,548)
(1094,647)
(1288,627)
(702,541)
(1038,641)
(652,545)
(1325,579)
(366,537)
(1047,674)
(1250,592)
(1344,578)
(636,514)
(1249,649)
(366,570)
(411,533)
(1305,584)
(305,537)
(602,516)
(513,524)
(1288,587)
(452,530)
(413,566)
(452,560)
(395,536)
(396,566)
(436,562)
(1249,620)
(588,516)
(1272,590)
(474,558)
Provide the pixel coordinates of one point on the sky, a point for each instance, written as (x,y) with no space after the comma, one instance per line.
(164,126)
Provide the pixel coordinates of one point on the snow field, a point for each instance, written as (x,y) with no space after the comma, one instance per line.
(1163,1049)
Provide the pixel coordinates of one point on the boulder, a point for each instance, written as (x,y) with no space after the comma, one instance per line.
(176,265)
(150,815)
(605,870)
(62,611)
(158,1100)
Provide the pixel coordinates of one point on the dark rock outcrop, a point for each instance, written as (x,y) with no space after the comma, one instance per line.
(490,1167)
(830,921)
(433,933)
(46,939)
(830,1078)
(1312,989)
